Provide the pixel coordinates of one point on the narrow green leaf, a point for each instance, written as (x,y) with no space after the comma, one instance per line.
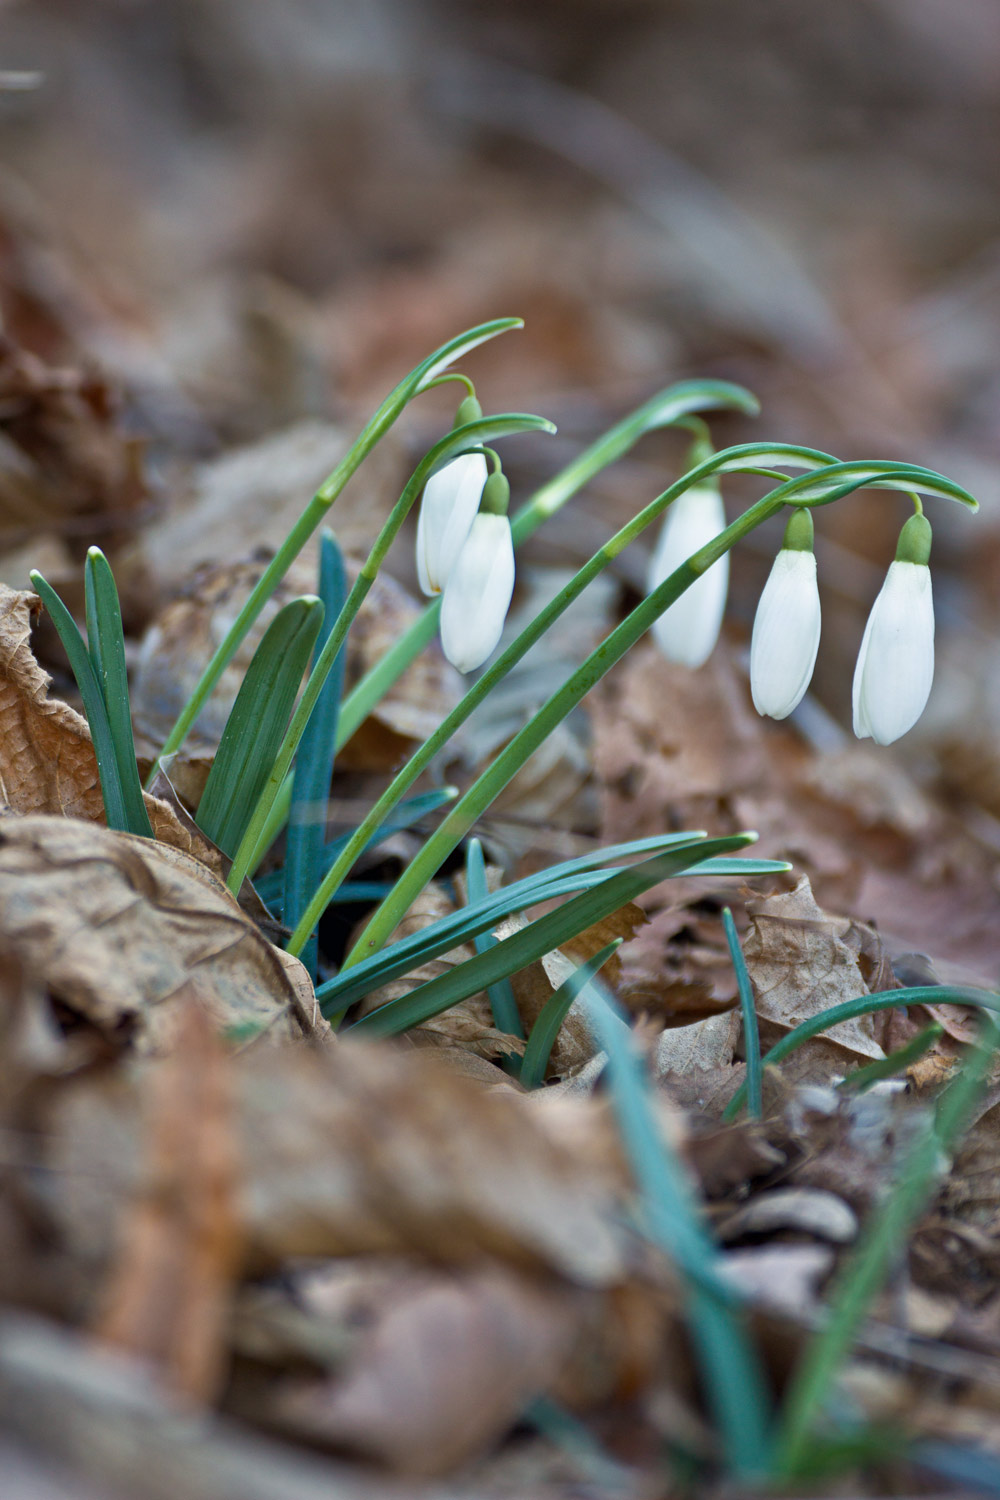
(115,806)
(314,762)
(864,1005)
(461,926)
(554,1012)
(897,1062)
(506,1016)
(515,952)
(257,722)
(106,645)
(751,1035)
(455,349)
(548,885)
(877,474)
(734,1383)
(863,1271)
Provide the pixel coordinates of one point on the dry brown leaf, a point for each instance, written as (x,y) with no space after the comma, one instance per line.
(174,825)
(707,1044)
(47,760)
(168,1295)
(64,459)
(803,961)
(447,1364)
(362,1150)
(118,929)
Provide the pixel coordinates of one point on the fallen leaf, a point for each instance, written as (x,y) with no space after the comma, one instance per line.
(117,930)
(802,961)
(168,1292)
(445,1367)
(47,760)
(66,458)
(360,1149)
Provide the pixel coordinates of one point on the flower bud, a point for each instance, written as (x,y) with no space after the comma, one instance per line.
(688,629)
(895,669)
(447,511)
(786,628)
(478,593)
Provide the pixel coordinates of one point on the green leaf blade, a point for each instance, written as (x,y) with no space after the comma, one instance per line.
(257,722)
(106,643)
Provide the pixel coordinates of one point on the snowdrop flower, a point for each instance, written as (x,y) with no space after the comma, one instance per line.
(687,631)
(787,624)
(480,584)
(892,680)
(448,509)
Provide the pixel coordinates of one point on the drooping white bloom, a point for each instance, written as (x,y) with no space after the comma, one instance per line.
(687,631)
(478,593)
(447,511)
(892,680)
(786,627)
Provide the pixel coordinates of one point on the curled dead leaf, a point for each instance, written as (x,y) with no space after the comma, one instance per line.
(359,1150)
(116,930)
(802,961)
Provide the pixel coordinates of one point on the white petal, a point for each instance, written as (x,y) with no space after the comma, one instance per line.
(447,511)
(687,631)
(786,631)
(861,726)
(478,593)
(895,669)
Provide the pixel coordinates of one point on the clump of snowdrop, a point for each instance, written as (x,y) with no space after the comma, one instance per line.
(687,631)
(448,509)
(895,669)
(480,583)
(786,627)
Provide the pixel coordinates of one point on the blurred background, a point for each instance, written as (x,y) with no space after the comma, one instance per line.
(228,226)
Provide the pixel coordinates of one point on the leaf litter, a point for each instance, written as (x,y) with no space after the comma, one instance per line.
(383,1256)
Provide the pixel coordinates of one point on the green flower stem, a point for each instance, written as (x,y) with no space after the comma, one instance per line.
(387,671)
(667,408)
(833,482)
(457,441)
(276,820)
(503,664)
(420,379)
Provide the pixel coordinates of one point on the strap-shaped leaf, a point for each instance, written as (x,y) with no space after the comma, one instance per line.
(314,762)
(554,1012)
(106,644)
(459,927)
(257,722)
(519,950)
(506,1016)
(115,809)
(735,1385)
(548,885)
